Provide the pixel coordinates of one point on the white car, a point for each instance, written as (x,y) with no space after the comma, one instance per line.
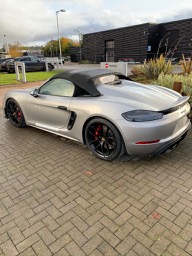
(105,110)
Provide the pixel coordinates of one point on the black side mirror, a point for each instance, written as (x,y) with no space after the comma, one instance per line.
(34,93)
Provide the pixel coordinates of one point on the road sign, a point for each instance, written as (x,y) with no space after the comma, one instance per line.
(106,65)
(116,66)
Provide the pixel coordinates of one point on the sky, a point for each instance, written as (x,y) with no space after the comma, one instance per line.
(33,22)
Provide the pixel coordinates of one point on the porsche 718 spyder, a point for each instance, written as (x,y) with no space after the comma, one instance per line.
(105,110)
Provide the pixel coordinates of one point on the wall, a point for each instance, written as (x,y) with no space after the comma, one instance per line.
(139,42)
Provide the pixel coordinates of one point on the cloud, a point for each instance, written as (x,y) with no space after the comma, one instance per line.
(185,13)
(25,21)
(35,20)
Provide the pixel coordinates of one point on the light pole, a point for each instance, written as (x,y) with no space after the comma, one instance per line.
(6,45)
(51,51)
(80,41)
(60,53)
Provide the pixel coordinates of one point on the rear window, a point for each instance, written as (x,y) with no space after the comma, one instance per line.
(110,79)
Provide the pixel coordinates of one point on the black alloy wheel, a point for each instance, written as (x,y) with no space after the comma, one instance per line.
(15,114)
(103,139)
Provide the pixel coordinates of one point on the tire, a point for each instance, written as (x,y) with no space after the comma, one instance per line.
(103,139)
(15,114)
(50,67)
(10,71)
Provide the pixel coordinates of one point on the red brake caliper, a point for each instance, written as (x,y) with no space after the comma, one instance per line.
(98,129)
(19,116)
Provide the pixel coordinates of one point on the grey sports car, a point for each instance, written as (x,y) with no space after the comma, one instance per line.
(105,110)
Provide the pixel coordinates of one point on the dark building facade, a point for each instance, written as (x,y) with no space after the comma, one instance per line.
(139,42)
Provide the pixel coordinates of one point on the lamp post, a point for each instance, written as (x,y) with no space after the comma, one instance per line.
(6,45)
(80,41)
(60,53)
(51,51)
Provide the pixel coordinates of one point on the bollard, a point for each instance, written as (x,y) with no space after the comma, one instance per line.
(177,86)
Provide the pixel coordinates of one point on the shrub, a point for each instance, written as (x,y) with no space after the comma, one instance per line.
(136,70)
(154,67)
(169,79)
(85,62)
(186,65)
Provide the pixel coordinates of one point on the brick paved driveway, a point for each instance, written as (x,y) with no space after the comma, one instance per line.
(58,199)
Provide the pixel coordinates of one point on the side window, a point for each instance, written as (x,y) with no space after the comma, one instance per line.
(34,59)
(58,87)
(25,59)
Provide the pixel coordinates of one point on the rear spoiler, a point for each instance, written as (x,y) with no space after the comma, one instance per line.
(177,105)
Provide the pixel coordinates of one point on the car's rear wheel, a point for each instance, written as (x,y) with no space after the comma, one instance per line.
(50,67)
(15,114)
(10,71)
(103,139)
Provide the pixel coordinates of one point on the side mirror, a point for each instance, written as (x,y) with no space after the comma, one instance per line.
(34,93)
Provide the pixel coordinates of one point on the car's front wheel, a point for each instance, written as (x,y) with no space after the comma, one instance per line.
(103,139)
(15,114)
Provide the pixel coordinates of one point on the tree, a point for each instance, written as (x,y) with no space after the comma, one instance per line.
(52,47)
(15,50)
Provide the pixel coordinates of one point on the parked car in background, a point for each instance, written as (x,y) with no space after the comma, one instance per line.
(59,60)
(173,60)
(3,65)
(31,64)
(67,58)
(129,60)
(3,59)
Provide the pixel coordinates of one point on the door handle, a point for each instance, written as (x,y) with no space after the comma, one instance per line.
(62,107)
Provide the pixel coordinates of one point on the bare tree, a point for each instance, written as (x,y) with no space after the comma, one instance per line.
(165,38)
(169,51)
(173,47)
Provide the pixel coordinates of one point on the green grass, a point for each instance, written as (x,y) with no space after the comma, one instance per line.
(6,79)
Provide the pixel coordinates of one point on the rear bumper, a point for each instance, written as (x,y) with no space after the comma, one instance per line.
(169,130)
(170,145)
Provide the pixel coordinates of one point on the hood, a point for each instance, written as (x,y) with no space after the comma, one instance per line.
(140,96)
(23,90)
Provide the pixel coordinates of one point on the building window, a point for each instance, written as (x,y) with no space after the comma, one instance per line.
(109,44)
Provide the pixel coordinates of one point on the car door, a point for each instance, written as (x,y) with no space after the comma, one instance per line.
(37,64)
(32,64)
(49,108)
(27,61)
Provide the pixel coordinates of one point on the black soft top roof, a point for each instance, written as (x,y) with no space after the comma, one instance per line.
(85,79)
